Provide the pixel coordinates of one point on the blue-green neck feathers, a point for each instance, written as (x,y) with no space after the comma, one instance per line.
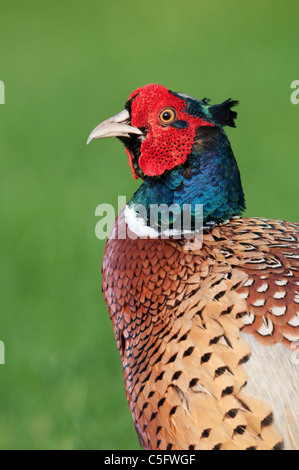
(209,177)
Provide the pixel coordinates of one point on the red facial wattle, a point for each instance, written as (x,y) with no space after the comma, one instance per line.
(165,146)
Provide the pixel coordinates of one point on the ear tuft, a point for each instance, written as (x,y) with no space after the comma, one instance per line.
(221,114)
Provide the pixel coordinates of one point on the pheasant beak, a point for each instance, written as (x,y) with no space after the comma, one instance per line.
(116,126)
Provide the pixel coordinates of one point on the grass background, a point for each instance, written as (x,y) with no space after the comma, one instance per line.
(66,67)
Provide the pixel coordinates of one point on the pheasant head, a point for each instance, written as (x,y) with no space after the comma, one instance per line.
(177,145)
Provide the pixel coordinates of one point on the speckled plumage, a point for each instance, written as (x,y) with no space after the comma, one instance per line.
(177,317)
(207,330)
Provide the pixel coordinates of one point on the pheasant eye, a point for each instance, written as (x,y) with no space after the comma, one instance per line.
(167,115)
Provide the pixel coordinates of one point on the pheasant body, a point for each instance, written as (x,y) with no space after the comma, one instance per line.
(177,320)
(207,326)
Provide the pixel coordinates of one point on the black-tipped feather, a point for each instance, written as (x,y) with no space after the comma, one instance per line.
(221,114)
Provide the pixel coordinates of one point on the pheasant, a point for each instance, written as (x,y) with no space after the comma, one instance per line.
(207,325)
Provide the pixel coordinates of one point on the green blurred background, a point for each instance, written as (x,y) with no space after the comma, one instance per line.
(66,67)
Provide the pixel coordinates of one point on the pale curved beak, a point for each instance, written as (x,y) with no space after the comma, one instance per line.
(116,126)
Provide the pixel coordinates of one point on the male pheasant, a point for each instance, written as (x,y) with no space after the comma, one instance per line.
(207,327)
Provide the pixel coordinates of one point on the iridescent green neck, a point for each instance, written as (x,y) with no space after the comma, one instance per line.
(209,177)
